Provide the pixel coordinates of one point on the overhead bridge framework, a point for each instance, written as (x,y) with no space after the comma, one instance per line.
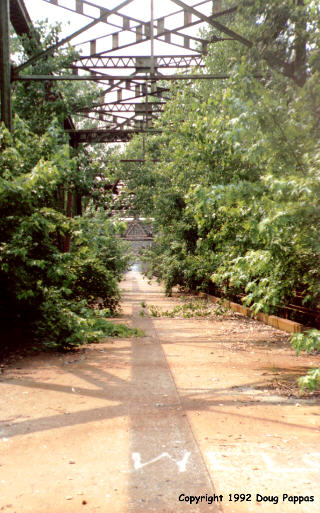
(132,96)
(140,63)
(101,135)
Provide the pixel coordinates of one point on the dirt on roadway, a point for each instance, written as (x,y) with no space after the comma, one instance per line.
(197,410)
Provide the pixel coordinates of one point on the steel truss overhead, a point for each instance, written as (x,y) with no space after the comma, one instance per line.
(132,97)
(139,62)
(102,135)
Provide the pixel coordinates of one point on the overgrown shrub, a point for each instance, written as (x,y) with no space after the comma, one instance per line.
(54,266)
(45,290)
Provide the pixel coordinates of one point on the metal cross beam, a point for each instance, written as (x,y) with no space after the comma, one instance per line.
(98,78)
(114,118)
(125,107)
(106,136)
(140,62)
(216,24)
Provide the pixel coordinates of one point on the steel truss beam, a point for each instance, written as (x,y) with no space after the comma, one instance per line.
(125,107)
(216,24)
(130,85)
(116,123)
(106,136)
(138,63)
(112,118)
(133,85)
(97,78)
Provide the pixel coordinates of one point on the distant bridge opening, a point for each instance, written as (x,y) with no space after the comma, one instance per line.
(139,234)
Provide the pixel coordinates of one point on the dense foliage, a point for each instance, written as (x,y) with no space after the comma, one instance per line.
(45,288)
(235,197)
(59,271)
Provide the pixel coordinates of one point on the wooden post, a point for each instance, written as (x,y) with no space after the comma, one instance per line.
(5,66)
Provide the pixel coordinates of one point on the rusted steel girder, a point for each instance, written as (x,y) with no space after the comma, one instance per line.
(19,17)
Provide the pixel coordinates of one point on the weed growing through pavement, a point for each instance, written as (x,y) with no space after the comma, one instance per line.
(189,309)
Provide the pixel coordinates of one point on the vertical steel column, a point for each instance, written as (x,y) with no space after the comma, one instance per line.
(152,38)
(217,6)
(5,67)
